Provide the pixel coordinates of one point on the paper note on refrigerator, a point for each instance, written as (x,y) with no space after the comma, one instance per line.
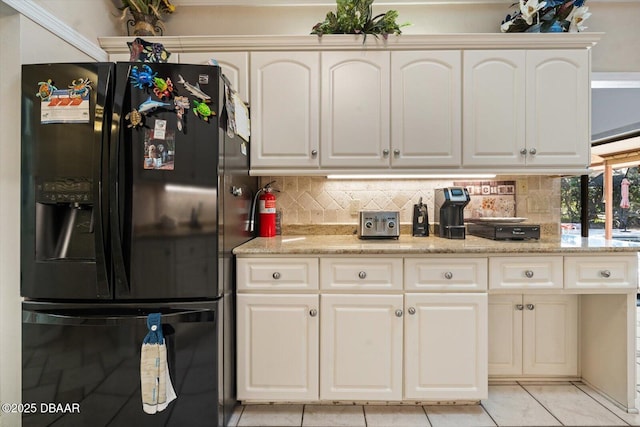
(243,126)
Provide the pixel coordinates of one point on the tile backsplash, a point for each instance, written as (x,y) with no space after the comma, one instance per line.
(308,200)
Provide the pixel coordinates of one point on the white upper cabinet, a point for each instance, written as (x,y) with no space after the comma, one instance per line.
(285,100)
(234,65)
(464,103)
(355,109)
(494,107)
(526,108)
(426,108)
(558,126)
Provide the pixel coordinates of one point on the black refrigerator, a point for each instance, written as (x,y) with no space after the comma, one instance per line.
(134,192)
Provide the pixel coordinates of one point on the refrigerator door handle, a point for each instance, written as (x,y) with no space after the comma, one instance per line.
(75,318)
(122,89)
(100,212)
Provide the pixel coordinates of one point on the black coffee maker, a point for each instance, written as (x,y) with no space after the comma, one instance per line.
(449,212)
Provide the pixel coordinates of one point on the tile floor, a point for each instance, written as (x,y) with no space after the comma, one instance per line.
(514,404)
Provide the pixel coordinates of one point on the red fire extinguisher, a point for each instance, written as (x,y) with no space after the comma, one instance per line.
(267,212)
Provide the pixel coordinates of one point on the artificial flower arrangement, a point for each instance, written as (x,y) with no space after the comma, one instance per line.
(155,8)
(356,17)
(147,15)
(535,16)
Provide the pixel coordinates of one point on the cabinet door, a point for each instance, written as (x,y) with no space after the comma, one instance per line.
(234,65)
(550,331)
(355,109)
(277,347)
(285,100)
(361,347)
(558,97)
(494,108)
(426,108)
(446,346)
(505,334)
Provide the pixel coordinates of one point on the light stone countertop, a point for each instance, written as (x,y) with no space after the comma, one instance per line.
(406,245)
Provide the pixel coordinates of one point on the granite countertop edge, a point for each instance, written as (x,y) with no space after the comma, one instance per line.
(407,245)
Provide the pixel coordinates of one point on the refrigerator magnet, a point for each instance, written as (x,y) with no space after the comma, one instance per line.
(202,110)
(181,104)
(160,129)
(45,90)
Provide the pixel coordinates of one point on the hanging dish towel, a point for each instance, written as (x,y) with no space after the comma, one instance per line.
(155,383)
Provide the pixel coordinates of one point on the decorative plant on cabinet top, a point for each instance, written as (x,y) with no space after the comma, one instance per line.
(356,17)
(147,15)
(550,16)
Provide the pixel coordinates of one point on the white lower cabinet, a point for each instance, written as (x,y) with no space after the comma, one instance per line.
(445,347)
(361,347)
(533,335)
(277,347)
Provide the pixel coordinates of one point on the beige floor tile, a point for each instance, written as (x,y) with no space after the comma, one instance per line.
(271,415)
(235,417)
(458,416)
(333,415)
(633,419)
(390,416)
(511,405)
(572,406)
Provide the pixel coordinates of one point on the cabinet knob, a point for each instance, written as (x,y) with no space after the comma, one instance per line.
(276,275)
(448,275)
(396,152)
(411,310)
(385,152)
(398,313)
(314,153)
(313,312)
(533,151)
(605,273)
(530,306)
(529,274)
(523,151)
(362,275)
(519,307)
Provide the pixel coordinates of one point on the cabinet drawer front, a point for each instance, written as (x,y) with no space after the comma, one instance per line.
(445,274)
(361,273)
(277,274)
(601,272)
(533,272)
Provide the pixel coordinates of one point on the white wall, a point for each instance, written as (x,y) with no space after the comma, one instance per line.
(616,52)
(21,41)
(9,213)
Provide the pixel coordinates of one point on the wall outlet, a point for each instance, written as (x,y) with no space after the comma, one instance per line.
(354,207)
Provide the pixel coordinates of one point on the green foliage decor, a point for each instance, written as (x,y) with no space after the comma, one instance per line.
(356,17)
(155,8)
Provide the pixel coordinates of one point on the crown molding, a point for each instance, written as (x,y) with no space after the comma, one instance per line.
(45,19)
(355,42)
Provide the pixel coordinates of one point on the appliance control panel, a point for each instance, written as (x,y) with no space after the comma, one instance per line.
(379,225)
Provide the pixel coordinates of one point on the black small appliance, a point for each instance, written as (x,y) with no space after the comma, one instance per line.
(449,212)
(420,220)
(504,231)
